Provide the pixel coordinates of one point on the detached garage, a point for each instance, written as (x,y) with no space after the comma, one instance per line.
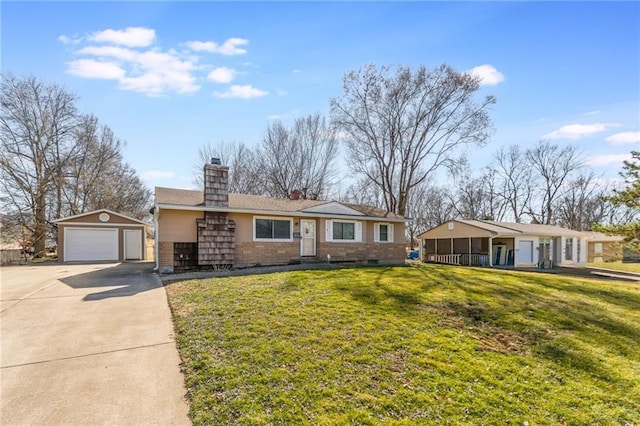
(101,236)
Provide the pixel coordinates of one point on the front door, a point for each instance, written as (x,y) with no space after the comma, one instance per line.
(308,241)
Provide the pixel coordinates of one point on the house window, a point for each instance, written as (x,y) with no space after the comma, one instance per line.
(383,233)
(597,249)
(568,249)
(343,230)
(272,229)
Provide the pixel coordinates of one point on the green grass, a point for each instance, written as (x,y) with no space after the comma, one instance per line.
(425,344)
(617,266)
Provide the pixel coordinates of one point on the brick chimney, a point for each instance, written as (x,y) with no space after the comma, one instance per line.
(216,184)
(295,194)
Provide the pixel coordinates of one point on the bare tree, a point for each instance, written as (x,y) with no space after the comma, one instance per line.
(37,122)
(55,161)
(513,180)
(362,192)
(300,157)
(582,203)
(402,127)
(428,207)
(96,149)
(244,177)
(473,197)
(553,166)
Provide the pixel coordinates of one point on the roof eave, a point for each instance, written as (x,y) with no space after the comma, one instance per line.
(295,213)
(65,219)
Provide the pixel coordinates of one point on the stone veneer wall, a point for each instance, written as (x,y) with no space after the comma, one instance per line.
(216,185)
(216,239)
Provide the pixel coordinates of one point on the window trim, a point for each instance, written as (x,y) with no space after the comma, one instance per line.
(357,231)
(376,232)
(273,240)
(568,248)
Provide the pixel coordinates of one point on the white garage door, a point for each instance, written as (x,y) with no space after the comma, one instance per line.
(90,244)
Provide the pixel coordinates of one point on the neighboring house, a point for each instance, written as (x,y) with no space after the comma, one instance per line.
(217,229)
(10,253)
(603,248)
(489,243)
(101,235)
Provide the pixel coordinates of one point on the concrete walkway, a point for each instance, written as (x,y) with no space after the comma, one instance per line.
(88,345)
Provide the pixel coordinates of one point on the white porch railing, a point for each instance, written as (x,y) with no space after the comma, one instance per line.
(460,259)
(474,259)
(451,259)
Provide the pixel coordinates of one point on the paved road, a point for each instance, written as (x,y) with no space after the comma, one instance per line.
(87,344)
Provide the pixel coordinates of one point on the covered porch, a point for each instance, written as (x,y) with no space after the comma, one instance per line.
(470,251)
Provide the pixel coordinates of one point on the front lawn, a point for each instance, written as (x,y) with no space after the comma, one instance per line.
(617,266)
(422,344)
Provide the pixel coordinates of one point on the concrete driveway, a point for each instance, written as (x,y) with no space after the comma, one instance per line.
(88,344)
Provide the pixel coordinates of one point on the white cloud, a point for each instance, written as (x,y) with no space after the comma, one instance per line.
(242,92)
(130,57)
(90,68)
(296,71)
(229,47)
(131,37)
(68,40)
(157,174)
(624,138)
(114,52)
(221,75)
(608,159)
(578,131)
(151,72)
(592,112)
(488,75)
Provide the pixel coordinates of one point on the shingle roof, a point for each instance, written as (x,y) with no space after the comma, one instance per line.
(260,202)
(534,228)
(181,197)
(512,229)
(186,197)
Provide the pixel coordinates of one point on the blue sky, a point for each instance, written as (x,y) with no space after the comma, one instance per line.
(169,77)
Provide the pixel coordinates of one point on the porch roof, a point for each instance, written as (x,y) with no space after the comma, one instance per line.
(461,228)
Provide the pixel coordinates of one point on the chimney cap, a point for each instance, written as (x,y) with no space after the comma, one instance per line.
(216,161)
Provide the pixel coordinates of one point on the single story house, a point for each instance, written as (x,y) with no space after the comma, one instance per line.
(216,228)
(99,236)
(603,248)
(490,243)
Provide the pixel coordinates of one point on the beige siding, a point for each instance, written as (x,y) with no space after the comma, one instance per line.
(460,230)
(178,226)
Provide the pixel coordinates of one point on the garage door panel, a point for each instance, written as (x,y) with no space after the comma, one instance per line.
(85,244)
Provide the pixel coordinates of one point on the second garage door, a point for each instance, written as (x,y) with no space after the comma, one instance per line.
(86,245)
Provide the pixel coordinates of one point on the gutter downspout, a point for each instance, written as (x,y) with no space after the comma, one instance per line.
(156,250)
